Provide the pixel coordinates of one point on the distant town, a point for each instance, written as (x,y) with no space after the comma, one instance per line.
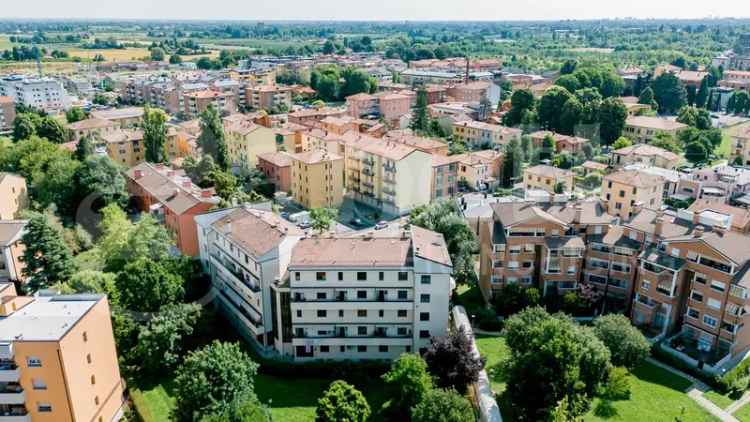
(344,221)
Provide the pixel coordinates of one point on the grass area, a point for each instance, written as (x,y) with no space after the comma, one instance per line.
(721,400)
(470,297)
(496,352)
(110,55)
(656,395)
(724,149)
(153,402)
(743,413)
(5,43)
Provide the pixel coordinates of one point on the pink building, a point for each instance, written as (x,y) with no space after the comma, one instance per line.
(277,166)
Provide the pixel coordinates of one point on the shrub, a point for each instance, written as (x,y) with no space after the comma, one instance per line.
(618,384)
(628,346)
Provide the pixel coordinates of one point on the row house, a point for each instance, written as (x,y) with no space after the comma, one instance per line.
(172,198)
(366,296)
(477,134)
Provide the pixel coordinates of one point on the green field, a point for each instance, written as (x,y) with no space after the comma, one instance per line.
(496,352)
(743,414)
(718,399)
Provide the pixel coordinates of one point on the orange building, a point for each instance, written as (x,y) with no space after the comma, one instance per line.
(58,360)
(173,199)
(277,166)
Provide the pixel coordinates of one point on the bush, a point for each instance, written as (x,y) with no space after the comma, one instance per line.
(487,320)
(737,380)
(618,384)
(628,346)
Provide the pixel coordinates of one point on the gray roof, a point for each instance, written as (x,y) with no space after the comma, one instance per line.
(46,318)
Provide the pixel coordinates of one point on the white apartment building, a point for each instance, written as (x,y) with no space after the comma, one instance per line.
(367,297)
(47,94)
(246,251)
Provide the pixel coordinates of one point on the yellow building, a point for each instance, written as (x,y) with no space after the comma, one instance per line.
(126,147)
(645,128)
(14,196)
(478,134)
(624,192)
(547,177)
(317,179)
(245,140)
(92,127)
(58,361)
(254,77)
(392,177)
(740,145)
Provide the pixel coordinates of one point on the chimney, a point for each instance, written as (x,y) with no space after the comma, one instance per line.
(137,174)
(206,193)
(578,213)
(696,217)
(187,184)
(698,231)
(659,225)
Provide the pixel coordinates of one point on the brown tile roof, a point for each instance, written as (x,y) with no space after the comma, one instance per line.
(740,216)
(592,212)
(255,231)
(634,178)
(419,142)
(10,231)
(315,157)
(169,191)
(360,97)
(92,123)
(391,150)
(645,221)
(513,213)
(6,100)
(594,165)
(647,151)
(123,135)
(430,245)
(732,245)
(279,159)
(118,113)
(355,251)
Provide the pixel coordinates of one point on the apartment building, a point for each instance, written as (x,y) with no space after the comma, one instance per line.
(195,103)
(368,297)
(46,94)
(173,199)
(14,194)
(7,113)
(444,177)
(311,116)
(472,92)
(645,154)
(740,149)
(735,79)
(477,134)
(277,167)
(246,140)
(126,147)
(428,145)
(253,77)
(545,178)
(125,118)
(693,281)
(625,192)
(246,251)
(269,97)
(643,129)
(740,217)
(58,359)
(161,92)
(11,249)
(317,179)
(563,143)
(95,128)
(479,170)
(388,106)
(389,176)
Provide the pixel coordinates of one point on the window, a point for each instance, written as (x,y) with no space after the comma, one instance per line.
(692,313)
(361,331)
(96,402)
(713,303)
(44,407)
(700,278)
(381,313)
(361,294)
(425,279)
(296,276)
(341,313)
(341,276)
(402,294)
(93,379)
(718,286)
(321,295)
(710,321)
(361,349)
(401,331)
(38,384)
(424,334)
(322,313)
(361,313)
(381,276)
(325,349)
(33,362)
(299,313)
(320,276)
(88,358)
(424,316)
(424,298)
(85,337)
(403,276)
(361,276)
(675,252)
(696,296)
(402,313)
(383,349)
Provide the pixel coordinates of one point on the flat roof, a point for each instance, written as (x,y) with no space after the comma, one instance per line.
(46,318)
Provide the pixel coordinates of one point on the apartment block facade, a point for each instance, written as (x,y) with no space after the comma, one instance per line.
(7,113)
(545,178)
(478,134)
(317,179)
(246,140)
(627,191)
(46,94)
(11,250)
(643,129)
(15,195)
(57,359)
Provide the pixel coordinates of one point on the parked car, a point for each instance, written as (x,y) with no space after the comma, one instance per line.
(304,225)
(381,225)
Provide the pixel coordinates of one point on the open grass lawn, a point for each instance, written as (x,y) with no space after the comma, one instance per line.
(470,297)
(110,55)
(496,352)
(153,401)
(743,413)
(721,400)
(655,395)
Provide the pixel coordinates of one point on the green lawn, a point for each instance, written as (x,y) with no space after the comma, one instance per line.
(743,413)
(656,395)
(496,352)
(153,402)
(718,399)
(470,297)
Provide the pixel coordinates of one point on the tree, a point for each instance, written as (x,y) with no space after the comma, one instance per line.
(75,114)
(146,285)
(627,345)
(46,259)
(211,378)
(341,402)
(701,99)
(241,410)
(100,175)
(356,81)
(570,115)
(443,406)
(521,105)
(157,54)
(23,127)
(451,360)
(443,217)
(667,142)
(741,103)
(84,148)
(407,383)
(568,67)
(621,142)
(548,147)
(122,242)
(329,47)
(51,129)
(211,139)
(322,218)
(92,281)
(553,358)
(420,120)
(647,98)
(513,298)
(568,82)
(159,342)
(699,118)
(612,116)
(175,59)
(512,160)
(551,106)
(155,135)
(696,152)
(669,93)
(559,188)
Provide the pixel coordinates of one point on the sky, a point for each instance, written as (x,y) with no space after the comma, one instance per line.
(392,10)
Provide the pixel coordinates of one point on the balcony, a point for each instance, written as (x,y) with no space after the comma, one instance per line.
(14,414)
(12,393)
(389,169)
(9,372)
(226,265)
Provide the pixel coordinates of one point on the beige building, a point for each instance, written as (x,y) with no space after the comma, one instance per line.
(317,179)
(245,140)
(123,117)
(645,128)
(126,147)
(269,97)
(14,196)
(96,128)
(478,134)
(740,145)
(625,192)
(59,361)
(547,177)
(11,250)
(480,170)
(645,154)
